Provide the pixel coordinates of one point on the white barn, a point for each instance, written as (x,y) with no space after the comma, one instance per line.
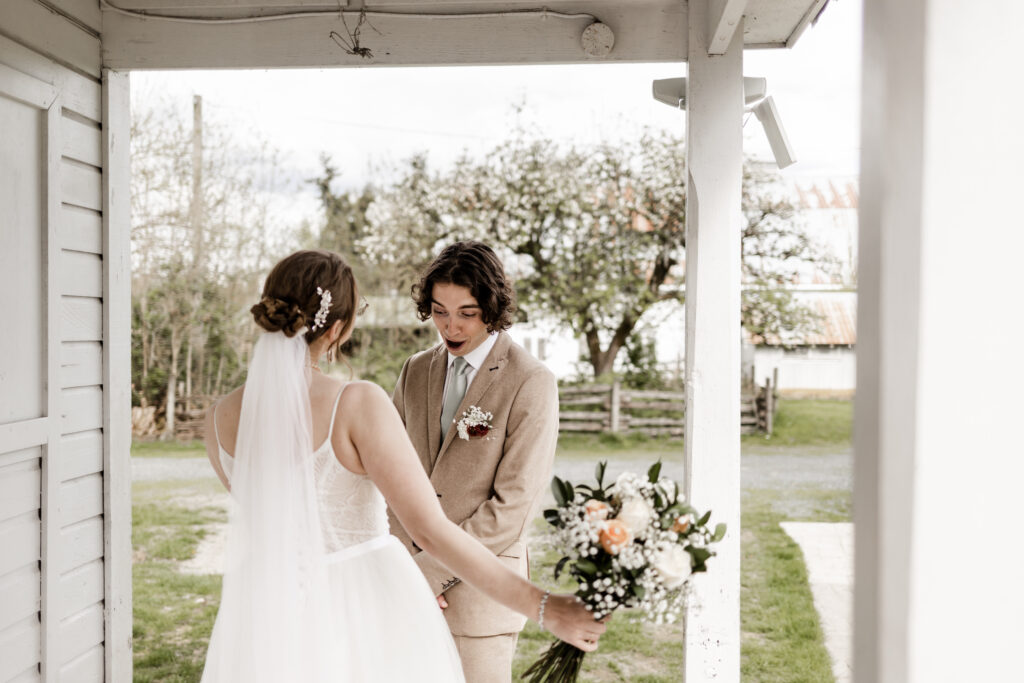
(926,609)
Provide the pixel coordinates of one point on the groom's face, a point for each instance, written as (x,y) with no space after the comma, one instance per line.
(458,318)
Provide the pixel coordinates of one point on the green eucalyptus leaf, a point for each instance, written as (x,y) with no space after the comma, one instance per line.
(654,472)
(556,488)
(719,532)
(559,566)
(586,567)
(599,472)
(699,555)
(551,515)
(569,491)
(704,519)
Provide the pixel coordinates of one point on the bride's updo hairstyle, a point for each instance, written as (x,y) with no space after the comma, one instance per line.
(290,301)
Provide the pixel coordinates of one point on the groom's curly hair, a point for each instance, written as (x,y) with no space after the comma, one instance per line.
(475,266)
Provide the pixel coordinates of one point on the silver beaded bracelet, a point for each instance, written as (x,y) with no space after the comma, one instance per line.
(543,603)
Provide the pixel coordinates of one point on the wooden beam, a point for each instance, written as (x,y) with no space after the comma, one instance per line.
(117,437)
(714,162)
(809,16)
(648,33)
(724,16)
(49,565)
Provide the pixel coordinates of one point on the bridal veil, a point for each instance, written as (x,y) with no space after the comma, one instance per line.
(274,622)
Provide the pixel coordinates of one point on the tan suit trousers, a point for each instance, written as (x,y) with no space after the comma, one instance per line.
(487,659)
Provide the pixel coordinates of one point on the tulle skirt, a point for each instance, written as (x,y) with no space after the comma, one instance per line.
(387,623)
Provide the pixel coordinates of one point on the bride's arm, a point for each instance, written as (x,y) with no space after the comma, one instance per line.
(389,458)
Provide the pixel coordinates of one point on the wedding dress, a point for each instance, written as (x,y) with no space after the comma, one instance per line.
(360,608)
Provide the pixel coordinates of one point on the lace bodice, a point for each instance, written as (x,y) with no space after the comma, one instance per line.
(352,509)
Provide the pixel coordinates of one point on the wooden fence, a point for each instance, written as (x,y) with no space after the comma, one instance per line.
(598,408)
(593,408)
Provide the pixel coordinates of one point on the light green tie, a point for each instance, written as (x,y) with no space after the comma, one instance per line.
(456,391)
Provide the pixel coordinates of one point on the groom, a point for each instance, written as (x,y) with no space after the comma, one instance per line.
(489,483)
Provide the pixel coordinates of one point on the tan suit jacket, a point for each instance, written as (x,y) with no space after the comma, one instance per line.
(490,486)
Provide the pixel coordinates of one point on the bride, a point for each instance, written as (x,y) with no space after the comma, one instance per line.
(315,589)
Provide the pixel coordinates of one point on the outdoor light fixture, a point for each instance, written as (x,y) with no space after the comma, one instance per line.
(672,91)
(768,114)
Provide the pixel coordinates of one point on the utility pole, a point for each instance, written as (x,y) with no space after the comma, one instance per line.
(197,183)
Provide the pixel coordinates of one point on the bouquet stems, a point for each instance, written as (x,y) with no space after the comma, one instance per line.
(560,663)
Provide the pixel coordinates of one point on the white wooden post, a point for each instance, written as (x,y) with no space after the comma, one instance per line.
(714,159)
(939,465)
(117,472)
(50,514)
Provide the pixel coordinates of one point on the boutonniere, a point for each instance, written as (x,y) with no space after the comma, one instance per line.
(474,423)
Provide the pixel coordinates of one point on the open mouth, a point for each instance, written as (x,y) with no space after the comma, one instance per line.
(454,345)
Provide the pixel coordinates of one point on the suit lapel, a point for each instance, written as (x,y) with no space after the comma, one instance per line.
(492,368)
(435,392)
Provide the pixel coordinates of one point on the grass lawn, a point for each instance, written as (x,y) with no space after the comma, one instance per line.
(173,611)
(167,449)
(805,422)
(782,641)
(781,635)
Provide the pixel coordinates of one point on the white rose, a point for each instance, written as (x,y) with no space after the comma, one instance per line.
(673,564)
(636,514)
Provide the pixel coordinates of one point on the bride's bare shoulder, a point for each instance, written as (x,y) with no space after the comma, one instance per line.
(364,394)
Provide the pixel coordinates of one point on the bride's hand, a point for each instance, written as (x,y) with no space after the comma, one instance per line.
(569,620)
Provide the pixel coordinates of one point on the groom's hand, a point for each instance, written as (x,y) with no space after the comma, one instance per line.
(441,602)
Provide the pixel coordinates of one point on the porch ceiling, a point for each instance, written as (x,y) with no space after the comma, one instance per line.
(242,34)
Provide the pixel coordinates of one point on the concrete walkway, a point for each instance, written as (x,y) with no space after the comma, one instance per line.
(828,555)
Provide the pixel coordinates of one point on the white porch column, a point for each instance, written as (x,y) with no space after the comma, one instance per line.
(714,157)
(939,465)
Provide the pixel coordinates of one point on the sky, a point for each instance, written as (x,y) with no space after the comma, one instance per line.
(369,120)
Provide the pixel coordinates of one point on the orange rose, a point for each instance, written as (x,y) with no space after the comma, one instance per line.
(681,524)
(596,510)
(614,536)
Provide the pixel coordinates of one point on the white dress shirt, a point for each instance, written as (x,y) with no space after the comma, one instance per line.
(474,359)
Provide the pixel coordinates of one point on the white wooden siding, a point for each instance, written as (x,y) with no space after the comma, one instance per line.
(81,364)
(52,462)
(81,454)
(19,650)
(82,141)
(25,116)
(81,274)
(81,229)
(82,319)
(85,668)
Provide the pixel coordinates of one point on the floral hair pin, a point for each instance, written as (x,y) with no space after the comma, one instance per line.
(320,319)
(474,423)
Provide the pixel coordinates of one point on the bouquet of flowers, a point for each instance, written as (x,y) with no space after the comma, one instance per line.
(633,543)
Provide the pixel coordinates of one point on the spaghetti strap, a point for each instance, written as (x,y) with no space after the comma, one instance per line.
(334,412)
(216,431)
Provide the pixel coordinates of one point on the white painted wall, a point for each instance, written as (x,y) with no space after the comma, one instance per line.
(938,457)
(808,368)
(64,595)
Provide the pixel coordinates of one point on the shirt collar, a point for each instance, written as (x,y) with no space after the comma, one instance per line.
(477,356)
